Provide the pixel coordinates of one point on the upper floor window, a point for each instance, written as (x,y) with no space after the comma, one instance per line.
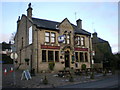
(82,41)
(47,37)
(66,39)
(50,37)
(78,40)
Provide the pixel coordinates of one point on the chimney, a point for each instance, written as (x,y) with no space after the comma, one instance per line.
(18,21)
(95,38)
(79,24)
(94,35)
(29,11)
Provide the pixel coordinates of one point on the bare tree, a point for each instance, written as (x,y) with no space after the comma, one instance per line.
(12,37)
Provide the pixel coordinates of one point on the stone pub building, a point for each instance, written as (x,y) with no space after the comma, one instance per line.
(40,41)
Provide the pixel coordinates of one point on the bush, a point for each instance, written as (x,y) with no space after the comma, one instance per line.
(92,75)
(51,65)
(71,78)
(83,66)
(104,72)
(45,81)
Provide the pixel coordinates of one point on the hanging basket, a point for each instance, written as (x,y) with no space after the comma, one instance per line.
(72,62)
(16,61)
(62,62)
(26,60)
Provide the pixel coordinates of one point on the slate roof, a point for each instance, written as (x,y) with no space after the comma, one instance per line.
(99,40)
(47,24)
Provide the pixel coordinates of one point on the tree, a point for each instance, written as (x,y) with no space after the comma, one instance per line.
(12,38)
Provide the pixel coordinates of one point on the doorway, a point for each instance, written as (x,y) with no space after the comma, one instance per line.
(67,59)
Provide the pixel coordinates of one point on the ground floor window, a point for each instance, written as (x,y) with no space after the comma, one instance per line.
(56,56)
(81,57)
(43,55)
(86,57)
(50,56)
(76,56)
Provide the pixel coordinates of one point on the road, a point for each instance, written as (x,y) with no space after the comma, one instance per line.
(111,82)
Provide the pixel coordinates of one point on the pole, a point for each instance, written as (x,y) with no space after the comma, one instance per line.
(14,69)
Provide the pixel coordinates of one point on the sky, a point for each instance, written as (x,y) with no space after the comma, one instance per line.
(100,17)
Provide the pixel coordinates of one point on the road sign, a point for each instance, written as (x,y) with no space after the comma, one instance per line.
(14,55)
(26,74)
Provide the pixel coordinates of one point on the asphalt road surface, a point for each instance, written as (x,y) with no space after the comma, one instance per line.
(111,82)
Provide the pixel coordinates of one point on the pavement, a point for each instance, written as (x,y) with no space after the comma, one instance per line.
(13,79)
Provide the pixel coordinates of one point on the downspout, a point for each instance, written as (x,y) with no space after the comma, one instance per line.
(90,47)
(37,51)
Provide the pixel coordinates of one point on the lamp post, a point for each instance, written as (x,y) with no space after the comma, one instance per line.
(92,63)
(14,56)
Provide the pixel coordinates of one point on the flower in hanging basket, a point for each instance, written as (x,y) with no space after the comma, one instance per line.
(26,60)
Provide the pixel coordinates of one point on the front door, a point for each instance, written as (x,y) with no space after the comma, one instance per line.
(67,59)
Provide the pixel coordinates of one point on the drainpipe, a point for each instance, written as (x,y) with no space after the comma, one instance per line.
(37,50)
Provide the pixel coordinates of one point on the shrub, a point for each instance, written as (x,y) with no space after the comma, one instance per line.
(92,75)
(104,72)
(51,65)
(83,66)
(71,78)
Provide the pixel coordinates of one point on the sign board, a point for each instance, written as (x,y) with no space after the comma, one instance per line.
(26,74)
(14,55)
(49,47)
(81,49)
(61,38)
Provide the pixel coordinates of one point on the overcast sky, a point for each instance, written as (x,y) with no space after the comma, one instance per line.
(101,17)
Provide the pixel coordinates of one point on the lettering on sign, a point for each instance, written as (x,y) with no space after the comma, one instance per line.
(49,47)
(81,49)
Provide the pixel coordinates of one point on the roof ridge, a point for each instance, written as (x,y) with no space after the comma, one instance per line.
(45,20)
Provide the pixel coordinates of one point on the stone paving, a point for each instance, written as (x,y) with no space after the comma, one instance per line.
(36,81)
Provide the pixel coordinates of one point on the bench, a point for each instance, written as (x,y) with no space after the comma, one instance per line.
(78,72)
(64,73)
